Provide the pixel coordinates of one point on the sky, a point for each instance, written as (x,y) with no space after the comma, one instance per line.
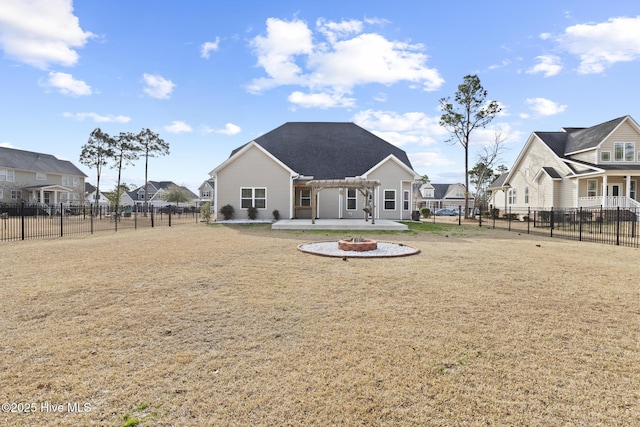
(209,76)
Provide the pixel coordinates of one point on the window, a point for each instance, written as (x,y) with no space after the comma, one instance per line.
(405,200)
(305,197)
(7,175)
(140,195)
(592,188)
(624,151)
(389,200)
(511,195)
(352,203)
(632,190)
(605,156)
(205,194)
(41,176)
(70,181)
(526,195)
(253,197)
(16,194)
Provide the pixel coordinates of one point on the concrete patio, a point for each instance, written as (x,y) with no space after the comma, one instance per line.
(338,224)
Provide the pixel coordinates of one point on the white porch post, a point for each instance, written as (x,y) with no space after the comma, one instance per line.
(628,188)
(604,191)
(41,195)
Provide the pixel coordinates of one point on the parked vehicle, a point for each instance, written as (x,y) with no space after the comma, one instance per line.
(446,212)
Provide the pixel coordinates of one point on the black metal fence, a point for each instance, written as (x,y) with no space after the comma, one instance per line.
(22,221)
(615,226)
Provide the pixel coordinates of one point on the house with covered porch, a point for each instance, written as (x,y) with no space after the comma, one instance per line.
(310,170)
(590,167)
(39,178)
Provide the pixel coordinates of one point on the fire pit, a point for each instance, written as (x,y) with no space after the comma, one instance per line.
(358,244)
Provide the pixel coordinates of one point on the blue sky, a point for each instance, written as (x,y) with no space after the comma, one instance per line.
(209,76)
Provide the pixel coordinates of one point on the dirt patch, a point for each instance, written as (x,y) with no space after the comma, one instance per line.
(217,325)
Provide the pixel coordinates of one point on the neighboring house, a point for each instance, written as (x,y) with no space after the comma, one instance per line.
(574,167)
(37,177)
(440,196)
(282,169)
(206,192)
(153,195)
(90,195)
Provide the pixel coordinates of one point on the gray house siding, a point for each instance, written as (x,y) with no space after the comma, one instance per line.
(253,169)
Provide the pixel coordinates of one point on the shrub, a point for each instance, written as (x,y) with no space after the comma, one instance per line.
(425,212)
(276,214)
(227,212)
(252,212)
(205,212)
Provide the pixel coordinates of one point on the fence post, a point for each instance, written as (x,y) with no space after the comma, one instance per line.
(152,211)
(529,220)
(61,219)
(618,225)
(91,217)
(135,216)
(551,221)
(601,219)
(580,225)
(509,218)
(22,218)
(169,215)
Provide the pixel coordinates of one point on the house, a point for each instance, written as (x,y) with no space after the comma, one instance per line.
(598,166)
(440,196)
(317,170)
(154,198)
(206,191)
(90,195)
(39,178)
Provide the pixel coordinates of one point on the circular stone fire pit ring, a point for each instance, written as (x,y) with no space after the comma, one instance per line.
(383,250)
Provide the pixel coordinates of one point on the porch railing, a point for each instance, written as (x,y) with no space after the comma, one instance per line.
(608,202)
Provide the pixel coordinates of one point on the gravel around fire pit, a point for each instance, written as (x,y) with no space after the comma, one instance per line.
(385,249)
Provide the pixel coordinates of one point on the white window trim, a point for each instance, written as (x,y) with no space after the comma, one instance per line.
(624,151)
(596,188)
(406,199)
(385,200)
(354,198)
(9,175)
(602,153)
(253,197)
(526,195)
(16,194)
(41,176)
(303,198)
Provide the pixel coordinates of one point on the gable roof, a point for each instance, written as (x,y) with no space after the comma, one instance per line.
(327,150)
(158,185)
(39,162)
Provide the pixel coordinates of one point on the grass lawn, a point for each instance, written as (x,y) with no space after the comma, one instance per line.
(232,325)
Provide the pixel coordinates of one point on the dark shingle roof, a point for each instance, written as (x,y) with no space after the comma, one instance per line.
(571,140)
(552,172)
(39,162)
(327,150)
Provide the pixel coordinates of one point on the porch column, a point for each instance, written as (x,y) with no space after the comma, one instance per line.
(628,189)
(41,195)
(313,205)
(604,191)
(373,205)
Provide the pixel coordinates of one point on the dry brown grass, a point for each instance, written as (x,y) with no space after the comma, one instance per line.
(221,325)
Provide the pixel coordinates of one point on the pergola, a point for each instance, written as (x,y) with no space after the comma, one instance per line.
(364,186)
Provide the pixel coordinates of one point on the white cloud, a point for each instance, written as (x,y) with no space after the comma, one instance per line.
(428,159)
(321,100)
(548,65)
(401,129)
(601,45)
(209,47)
(41,32)
(545,107)
(157,86)
(291,54)
(229,129)
(545,36)
(98,118)
(177,126)
(66,84)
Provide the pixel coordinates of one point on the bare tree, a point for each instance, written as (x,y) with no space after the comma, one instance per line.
(150,145)
(487,159)
(471,111)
